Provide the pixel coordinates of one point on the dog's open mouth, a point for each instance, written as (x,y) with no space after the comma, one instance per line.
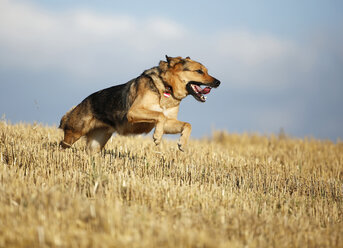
(197,92)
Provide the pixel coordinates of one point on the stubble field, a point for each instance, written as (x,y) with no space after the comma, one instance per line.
(225,191)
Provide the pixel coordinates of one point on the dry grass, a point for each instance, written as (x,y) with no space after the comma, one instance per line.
(229,191)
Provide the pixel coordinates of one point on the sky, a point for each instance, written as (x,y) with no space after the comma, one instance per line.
(280,62)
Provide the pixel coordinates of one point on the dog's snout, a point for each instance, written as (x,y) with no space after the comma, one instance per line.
(216,83)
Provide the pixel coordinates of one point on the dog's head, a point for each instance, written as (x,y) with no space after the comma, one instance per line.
(186,77)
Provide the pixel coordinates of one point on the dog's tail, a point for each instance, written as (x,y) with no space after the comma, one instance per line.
(65,118)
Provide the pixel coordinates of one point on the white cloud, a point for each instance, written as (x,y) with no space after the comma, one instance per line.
(79,41)
(250,49)
(165,29)
(83,42)
(103,26)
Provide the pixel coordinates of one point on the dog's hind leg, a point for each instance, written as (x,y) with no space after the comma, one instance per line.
(70,137)
(97,138)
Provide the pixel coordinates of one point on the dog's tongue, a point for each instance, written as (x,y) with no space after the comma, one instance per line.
(206,90)
(203,91)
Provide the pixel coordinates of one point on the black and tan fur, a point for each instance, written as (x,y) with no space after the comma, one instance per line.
(148,101)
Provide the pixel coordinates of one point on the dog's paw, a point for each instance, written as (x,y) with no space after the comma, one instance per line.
(157,141)
(64,145)
(181,147)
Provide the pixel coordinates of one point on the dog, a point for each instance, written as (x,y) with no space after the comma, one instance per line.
(149,101)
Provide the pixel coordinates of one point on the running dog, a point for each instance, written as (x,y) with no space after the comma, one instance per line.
(149,101)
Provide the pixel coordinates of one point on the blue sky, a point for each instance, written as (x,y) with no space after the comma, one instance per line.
(280,63)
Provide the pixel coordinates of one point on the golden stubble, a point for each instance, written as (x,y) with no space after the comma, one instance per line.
(225,191)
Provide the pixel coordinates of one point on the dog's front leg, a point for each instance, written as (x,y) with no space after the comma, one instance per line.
(173,126)
(139,115)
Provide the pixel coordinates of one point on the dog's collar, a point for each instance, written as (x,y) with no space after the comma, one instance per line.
(168,91)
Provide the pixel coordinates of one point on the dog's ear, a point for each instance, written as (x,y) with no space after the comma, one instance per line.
(163,65)
(188,57)
(172,61)
(168,59)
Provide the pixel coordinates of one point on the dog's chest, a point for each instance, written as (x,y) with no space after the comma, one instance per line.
(168,101)
(168,106)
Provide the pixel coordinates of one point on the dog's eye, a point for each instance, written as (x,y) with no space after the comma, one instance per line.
(200,71)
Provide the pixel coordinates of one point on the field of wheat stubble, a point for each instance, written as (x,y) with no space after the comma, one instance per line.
(229,190)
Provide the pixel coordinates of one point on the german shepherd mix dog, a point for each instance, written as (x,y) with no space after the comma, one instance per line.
(148,101)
